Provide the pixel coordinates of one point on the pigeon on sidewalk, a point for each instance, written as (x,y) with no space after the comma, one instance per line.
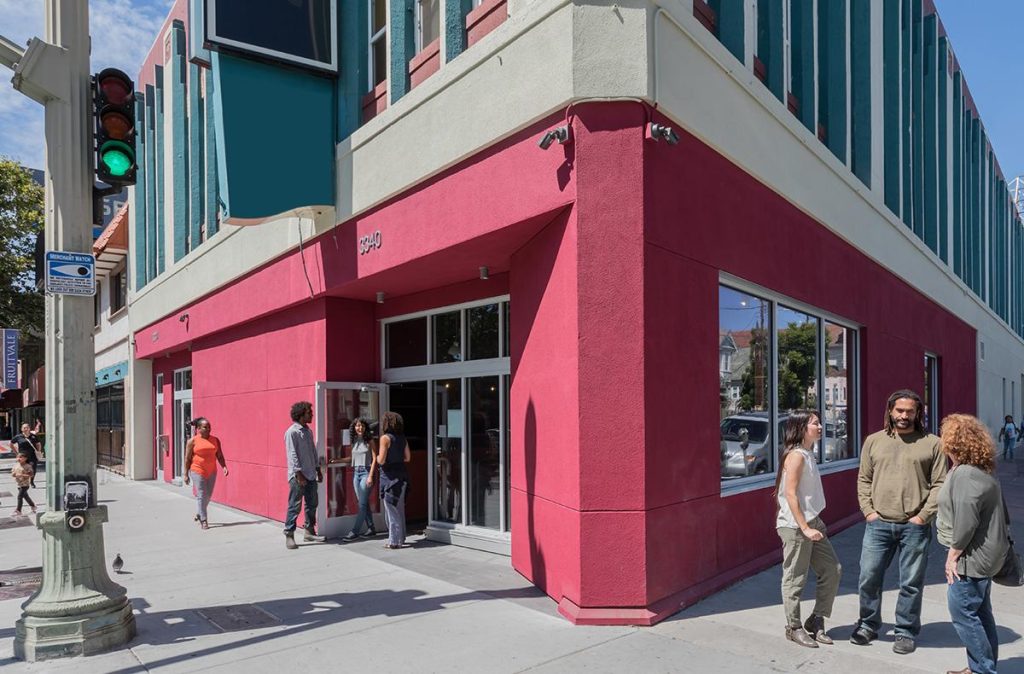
(118,563)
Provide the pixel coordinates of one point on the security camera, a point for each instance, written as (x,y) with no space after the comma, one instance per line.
(658,131)
(559,133)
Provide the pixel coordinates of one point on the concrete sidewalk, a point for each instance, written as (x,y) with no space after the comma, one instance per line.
(436,608)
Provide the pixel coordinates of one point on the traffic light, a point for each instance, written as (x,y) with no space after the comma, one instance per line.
(114,110)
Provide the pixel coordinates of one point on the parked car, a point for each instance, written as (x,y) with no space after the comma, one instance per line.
(746,448)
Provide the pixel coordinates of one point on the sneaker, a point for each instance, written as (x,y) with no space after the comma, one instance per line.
(349,537)
(289,541)
(862,636)
(903,645)
(369,533)
(311,537)
(17,513)
(800,638)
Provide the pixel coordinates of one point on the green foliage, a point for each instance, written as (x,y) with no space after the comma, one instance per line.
(21,219)
(754,394)
(798,346)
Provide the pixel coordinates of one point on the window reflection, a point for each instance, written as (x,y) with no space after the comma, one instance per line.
(744,383)
(798,364)
(448,450)
(447,337)
(483,332)
(839,406)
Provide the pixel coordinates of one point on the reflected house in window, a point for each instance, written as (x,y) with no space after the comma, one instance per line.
(734,359)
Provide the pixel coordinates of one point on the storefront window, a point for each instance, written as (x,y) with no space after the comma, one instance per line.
(755,386)
(484,452)
(931,398)
(483,332)
(744,326)
(448,450)
(797,341)
(840,345)
(406,342)
(448,337)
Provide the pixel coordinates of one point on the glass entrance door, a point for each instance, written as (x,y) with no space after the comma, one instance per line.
(448,505)
(338,406)
(182,420)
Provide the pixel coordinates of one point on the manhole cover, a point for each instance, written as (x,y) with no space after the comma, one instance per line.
(17,583)
(15,522)
(238,617)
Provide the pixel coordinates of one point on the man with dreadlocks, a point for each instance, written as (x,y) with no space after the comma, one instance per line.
(902,469)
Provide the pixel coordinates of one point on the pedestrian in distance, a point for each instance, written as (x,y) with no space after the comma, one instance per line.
(902,468)
(304,475)
(202,454)
(799,501)
(393,455)
(25,444)
(1008,436)
(364,466)
(22,473)
(971,523)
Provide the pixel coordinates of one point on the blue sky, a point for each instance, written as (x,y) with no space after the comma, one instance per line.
(127,27)
(984,34)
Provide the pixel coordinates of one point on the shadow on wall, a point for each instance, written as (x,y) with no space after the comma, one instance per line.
(538,571)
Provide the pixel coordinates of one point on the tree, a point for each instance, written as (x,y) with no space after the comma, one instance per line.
(21,221)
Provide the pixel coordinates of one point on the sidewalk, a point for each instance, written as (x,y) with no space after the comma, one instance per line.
(437,608)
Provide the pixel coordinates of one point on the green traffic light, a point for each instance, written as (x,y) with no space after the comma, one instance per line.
(117,157)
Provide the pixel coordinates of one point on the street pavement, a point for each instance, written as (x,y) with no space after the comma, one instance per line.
(234,599)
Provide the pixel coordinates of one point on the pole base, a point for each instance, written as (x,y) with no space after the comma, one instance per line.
(39,639)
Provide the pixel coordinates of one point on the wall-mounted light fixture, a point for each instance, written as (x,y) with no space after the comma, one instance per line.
(380,297)
(656,132)
(484,274)
(560,133)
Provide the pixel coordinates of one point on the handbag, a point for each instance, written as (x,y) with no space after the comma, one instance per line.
(1011,573)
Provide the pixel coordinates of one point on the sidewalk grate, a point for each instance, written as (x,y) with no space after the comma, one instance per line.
(17,583)
(238,617)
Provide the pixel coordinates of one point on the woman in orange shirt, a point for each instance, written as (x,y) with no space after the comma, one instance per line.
(202,453)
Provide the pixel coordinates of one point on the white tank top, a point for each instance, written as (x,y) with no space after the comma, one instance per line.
(809,493)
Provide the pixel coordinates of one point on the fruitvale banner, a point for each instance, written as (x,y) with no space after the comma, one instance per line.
(10,354)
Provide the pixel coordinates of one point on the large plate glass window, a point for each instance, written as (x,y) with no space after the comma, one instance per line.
(774,358)
(744,355)
(406,343)
(931,393)
(300,32)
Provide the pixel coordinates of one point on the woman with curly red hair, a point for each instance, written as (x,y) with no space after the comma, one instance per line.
(972,524)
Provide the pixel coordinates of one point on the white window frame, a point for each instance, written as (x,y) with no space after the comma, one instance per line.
(215,39)
(419,24)
(742,485)
(374,38)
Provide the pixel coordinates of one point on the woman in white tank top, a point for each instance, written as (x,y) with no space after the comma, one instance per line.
(799,500)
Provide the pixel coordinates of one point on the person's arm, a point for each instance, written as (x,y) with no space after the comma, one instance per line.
(373,462)
(793,466)
(220,457)
(408,454)
(1002,432)
(382,450)
(291,451)
(865,478)
(188,457)
(937,477)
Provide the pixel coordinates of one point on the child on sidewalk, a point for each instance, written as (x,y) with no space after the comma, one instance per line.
(23,474)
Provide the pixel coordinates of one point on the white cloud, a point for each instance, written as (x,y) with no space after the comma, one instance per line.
(122,33)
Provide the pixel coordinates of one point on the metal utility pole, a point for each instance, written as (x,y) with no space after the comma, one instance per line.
(78,609)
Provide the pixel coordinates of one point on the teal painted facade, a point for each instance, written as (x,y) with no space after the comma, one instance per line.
(769,45)
(939,174)
(149,160)
(112,374)
(402,40)
(139,235)
(179,142)
(196,168)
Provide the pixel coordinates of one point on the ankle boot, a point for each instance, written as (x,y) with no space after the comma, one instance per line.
(289,541)
(815,626)
(801,638)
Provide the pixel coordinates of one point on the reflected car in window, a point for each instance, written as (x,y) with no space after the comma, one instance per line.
(745,445)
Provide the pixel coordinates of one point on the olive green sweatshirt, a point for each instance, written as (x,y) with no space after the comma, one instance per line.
(901,475)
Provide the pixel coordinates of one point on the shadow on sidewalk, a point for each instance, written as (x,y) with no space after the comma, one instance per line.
(295,616)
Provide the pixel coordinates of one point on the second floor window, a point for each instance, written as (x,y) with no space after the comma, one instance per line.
(428,22)
(118,290)
(378,63)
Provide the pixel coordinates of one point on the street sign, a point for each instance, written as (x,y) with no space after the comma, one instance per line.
(70,273)
(10,359)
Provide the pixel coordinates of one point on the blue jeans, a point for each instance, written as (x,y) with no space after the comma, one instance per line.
(1008,445)
(296,495)
(882,540)
(363,494)
(970,609)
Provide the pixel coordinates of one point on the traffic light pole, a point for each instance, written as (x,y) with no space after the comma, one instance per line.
(78,609)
